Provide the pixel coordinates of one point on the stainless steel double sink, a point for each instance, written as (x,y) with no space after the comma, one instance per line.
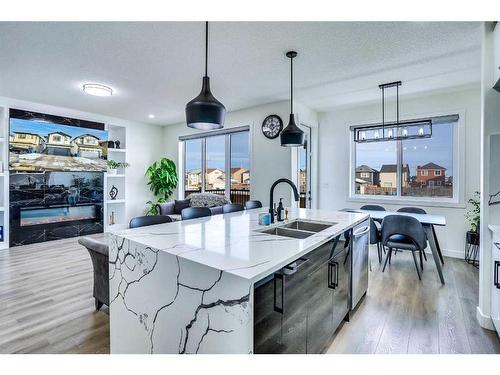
(298,228)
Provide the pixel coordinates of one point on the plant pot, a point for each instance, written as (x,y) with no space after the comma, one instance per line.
(112,171)
(472,238)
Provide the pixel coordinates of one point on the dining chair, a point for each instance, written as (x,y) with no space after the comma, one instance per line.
(375,239)
(195,212)
(415,210)
(372,207)
(143,221)
(413,237)
(232,207)
(249,205)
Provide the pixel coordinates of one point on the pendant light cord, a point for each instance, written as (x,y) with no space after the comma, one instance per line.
(206,49)
(291,84)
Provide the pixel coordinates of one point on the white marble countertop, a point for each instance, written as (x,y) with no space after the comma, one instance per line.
(233,243)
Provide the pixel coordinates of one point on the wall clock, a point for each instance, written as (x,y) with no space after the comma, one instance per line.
(272,126)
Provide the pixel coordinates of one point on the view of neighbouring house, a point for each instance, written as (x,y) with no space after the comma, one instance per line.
(41,145)
(58,143)
(431,175)
(216,179)
(26,142)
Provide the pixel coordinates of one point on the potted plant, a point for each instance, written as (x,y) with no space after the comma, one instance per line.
(114,165)
(473,215)
(163,180)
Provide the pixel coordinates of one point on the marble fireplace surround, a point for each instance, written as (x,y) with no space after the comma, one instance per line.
(187,287)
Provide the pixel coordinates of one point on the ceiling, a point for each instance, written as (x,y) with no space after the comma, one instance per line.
(157,67)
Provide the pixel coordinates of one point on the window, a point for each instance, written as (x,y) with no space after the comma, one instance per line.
(240,167)
(380,159)
(57,138)
(409,168)
(192,166)
(215,168)
(218,162)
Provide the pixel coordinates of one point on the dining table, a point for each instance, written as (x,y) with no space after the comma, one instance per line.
(428,222)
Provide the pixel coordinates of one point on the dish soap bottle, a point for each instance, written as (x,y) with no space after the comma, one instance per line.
(280,211)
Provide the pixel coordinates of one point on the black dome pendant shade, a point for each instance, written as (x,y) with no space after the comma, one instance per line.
(292,136)
(205,112)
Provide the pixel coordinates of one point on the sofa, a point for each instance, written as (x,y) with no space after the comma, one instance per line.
(173,209)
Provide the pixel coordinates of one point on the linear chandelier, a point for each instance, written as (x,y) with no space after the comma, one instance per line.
(393,131)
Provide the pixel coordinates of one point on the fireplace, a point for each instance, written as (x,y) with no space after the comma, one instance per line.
(41,215)
(53,205)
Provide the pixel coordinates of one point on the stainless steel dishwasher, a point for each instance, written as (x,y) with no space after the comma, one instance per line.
(360,253)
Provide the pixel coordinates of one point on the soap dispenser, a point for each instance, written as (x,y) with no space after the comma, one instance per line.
(280,210)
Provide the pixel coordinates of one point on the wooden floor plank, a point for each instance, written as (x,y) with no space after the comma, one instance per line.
(47,306)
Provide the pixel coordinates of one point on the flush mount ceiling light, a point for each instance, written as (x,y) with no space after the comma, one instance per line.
(205,112)
(291,136)
(151,116)
(97,89)
(392,131)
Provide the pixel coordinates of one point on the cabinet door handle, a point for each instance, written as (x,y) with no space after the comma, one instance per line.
(281,308)
(333,274)
(497,245)
(496,282)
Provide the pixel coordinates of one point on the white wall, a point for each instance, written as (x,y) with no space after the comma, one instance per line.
(269,161)
(334,153)
(490,103)
(144,145)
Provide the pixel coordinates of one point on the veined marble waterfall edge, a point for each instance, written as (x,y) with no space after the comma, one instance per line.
(163,303)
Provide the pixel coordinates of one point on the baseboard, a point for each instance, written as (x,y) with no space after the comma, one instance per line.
(449,253)
(484,320)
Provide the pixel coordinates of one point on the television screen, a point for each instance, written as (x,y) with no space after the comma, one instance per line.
(36,146)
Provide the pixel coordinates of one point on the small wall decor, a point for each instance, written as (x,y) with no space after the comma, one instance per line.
(113,193)
(117,144)
(112,218)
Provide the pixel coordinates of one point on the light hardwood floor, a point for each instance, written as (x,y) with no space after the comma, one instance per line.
(46,306)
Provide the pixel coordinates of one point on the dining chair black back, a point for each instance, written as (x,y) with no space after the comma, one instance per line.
(413,210)
(404,233)
(375,239)
(195,212)
(232,207)
(372,207)
(143,221)
(249,205)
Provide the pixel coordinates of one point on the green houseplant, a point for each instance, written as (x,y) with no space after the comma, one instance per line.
(163,180)
(113,165)
(473,215)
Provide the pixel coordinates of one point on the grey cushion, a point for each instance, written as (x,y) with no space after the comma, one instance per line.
(165,208)
(208,200)
(179,205)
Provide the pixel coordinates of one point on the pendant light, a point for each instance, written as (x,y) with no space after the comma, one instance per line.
(292,136)
(205,112)
(391,131)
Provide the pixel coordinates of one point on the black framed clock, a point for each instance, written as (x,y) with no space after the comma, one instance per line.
(272,126)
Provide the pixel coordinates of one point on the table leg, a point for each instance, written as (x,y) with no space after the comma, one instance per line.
(435,254)
(437,244)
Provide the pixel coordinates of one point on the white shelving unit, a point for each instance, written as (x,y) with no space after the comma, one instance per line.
(115,212)
(4,176)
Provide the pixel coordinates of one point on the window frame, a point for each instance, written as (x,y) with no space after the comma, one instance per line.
(227,133)
(459,157)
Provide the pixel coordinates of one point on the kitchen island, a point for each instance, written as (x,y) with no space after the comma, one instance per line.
(188,286)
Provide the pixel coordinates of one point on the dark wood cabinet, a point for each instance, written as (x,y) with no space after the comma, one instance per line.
(298,309)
